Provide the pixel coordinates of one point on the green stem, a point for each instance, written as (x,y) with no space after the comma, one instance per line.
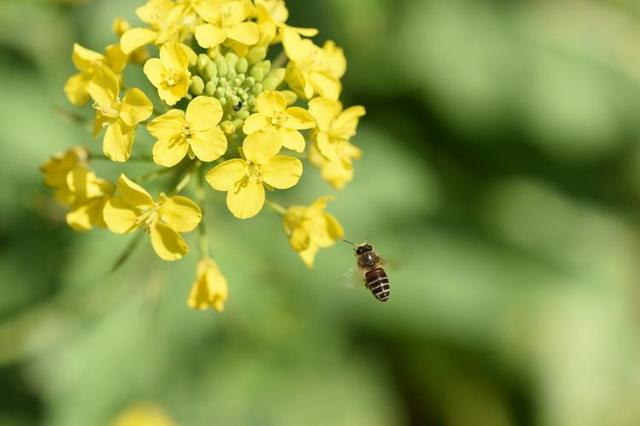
(200,194)
(276,207)
(153,175)
(137,158)
(128,251)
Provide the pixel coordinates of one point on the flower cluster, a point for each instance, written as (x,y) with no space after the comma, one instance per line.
(241,99)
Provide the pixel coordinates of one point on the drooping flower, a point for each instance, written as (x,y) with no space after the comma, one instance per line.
(89,194)
(195,133)
(334,126)
(133,208)
(311,228)
(313,70)
(338,172)
(120,117)
(244,178)
(170,73)
(209,289)
(273,115)
(143,414)
(225,20)
(167,22)
(56,169)
(88,63)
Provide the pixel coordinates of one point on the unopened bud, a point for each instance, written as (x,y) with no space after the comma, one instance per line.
(196,85)
(228,127)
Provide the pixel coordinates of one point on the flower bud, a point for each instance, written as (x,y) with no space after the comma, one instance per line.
(274,79)
(256,54)
(232,59)
(228,127)
(197,85)
(203,60)
(210,71)
(210,88)
(221,64)
(242,66)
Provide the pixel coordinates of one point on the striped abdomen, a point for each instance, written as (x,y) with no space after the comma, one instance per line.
(377,282)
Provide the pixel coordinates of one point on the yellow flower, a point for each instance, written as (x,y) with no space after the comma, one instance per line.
(311,228)
(89,195)
(120,117)
(227,20)
(88,63)
(195,133)
(165,219)
(313,70)
(55,171)
(143,414)
(136,56)
(167,20)
(272,15)
(336,172)
(273,115)
(210,289)
(244,179)
(334,126)
(170,73)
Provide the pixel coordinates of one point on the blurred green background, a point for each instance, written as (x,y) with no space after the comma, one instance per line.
(501,176)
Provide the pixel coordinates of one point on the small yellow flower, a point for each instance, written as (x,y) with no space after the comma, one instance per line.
(195,132)
(334,126)
(227,20)
(143,414)
(56,169)
(165,219)
(311,228)
(313,70)
(88,63)
(273,115)
(89,194)
(167,20)
(170,73)
(210,289)
(338,173)
(272,16)
(120,117)
(136,56)
(244,179)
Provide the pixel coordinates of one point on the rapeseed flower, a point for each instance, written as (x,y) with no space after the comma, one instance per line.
(210,289)
(334,126)
(170,73)
(88,196)
(56,169)
(143,414)
(225,20)
(165,220)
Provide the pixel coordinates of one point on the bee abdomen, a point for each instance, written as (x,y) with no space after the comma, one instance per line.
(378,283)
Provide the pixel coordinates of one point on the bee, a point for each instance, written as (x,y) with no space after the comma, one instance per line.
(370,264)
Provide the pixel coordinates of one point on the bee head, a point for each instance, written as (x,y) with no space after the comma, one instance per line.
(364,248)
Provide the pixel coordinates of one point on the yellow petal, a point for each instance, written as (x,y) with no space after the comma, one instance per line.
(261,147)
(173,94)
(174,56)
(153,71)
(167,242)
(293,140)
(204,113)
(327,147)
(84,59)
(282,172)
(346,123)
(308,256)
(133,194)
(136,38)
(167,126)
(209,36)
(334,229)
(86,215)
(255,123)
(118,142)
(84,183)
(169,152)
(224,176)
(104,88)
(324,111)
(136,107)
(271,103)
(246,201)
(210,289)
(76,89)
(208,145)
(233,12)
(246,33)
(295,49)
(116,59)
(120,216)
(299,239)
(325,85)
(180,213)
(299,119)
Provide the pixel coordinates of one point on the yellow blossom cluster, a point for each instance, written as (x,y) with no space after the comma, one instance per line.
(241,100)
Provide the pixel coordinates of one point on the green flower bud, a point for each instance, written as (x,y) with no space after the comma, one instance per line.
(257,89)
(249,81)
(210,71)
(223,100)
(238,123)
(197,85)
(214,52)
(274,79)
(257,74)
(203,60)
(243,114)
(220,92)
(210,88)
(242,66)
(221,64)
(232,59)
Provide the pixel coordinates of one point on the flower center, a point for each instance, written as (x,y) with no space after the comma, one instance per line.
(173,78)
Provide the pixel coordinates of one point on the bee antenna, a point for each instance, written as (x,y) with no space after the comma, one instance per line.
(349,242)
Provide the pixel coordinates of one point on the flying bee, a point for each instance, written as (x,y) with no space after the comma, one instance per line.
(370,264)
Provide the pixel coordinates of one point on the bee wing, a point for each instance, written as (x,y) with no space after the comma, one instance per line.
(351,278)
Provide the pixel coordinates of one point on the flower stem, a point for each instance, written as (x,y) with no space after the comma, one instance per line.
(200,195)
(138,158)
(153,175)
(276,207)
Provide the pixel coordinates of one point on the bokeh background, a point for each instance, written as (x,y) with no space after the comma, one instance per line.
(501,177)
